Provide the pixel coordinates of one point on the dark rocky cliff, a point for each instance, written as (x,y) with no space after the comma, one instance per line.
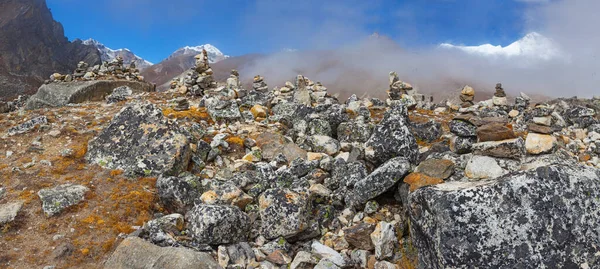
(33,46)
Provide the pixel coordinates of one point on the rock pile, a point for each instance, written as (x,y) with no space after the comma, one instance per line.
(294,178)
(467,95)
(198,80)
(113,70)
(499,98)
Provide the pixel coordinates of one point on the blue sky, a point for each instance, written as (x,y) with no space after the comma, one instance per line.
(155,28)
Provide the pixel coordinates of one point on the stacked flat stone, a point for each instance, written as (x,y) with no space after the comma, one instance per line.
(499,98)
(522,102)
(234,84)
(203,75)
(400,92)
(467,95)
(259,84)
(318,92)
(113,70)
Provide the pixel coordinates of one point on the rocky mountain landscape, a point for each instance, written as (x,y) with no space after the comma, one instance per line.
(101,171)
(108,161)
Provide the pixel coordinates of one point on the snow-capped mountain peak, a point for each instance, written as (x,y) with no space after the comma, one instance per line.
(533,45)
(108,54)
(214,54)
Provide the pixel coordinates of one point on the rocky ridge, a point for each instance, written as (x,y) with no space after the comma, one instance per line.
(292,177)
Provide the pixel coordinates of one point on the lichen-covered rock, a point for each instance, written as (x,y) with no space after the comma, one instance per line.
(510,148)
(159,231)
(580,116)
(179,193)
(428,131)
(462,128)
(217,224)
(462,144)
(324,144)
(545,218)
(319,127)
(283,213)
(140,141)
(224,110)
(392,138)
(354,131)
(378,182)
(57,199)
(27,126)
(346,174)
(134,252)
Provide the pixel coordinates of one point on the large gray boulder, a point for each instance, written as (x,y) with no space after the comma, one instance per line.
(61,94)
(392,138)
(217,224)
(141,141)
(381,180)
(134,252)
(283,213)
(543,218)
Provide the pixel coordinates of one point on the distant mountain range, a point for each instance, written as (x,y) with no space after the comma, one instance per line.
(108,54)
(532,46)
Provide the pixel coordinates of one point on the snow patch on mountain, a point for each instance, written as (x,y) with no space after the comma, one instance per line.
(532,45)
(214,54)
(108,54)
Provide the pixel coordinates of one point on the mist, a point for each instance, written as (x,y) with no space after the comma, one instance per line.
(352,61)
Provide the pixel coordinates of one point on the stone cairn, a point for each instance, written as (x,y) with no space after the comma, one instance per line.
(467,95)
(113,70)
(198,80)
(259,84)
(499,98)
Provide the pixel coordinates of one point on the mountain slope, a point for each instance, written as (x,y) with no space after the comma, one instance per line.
(178,62)
(532,45)
(108,54)
(33,46)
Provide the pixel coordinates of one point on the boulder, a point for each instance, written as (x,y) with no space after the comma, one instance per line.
(539,143)
(61,94)
(354,131)
(510,148)
(284,213)
(392,138)
(217,224)
(57,199)
(544,218)
(378,182)
(134,252)
(141,141)
(324,144)
(179,193)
